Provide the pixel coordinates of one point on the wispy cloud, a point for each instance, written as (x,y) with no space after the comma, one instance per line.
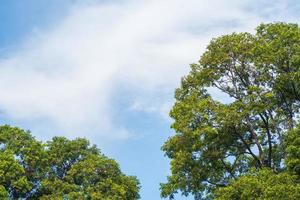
(69,73)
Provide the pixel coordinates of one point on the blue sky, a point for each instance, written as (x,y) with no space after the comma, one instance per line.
(107,70)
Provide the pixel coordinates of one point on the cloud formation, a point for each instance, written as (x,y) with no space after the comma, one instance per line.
(68,73)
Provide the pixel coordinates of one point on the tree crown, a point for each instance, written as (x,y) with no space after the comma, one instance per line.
(218,142)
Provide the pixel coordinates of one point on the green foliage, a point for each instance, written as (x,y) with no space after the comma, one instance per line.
(59,169)
(216,142)
(261,185)
(3,193)
(292,143)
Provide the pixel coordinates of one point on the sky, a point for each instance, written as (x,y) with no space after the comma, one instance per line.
(107,70)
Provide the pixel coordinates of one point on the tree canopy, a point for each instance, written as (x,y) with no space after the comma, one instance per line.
(59,169)
(239,146)
(261,185)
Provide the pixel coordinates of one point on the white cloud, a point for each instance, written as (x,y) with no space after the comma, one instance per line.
(68,74)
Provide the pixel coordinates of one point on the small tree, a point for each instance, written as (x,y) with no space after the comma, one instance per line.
(59,169)
(215,142)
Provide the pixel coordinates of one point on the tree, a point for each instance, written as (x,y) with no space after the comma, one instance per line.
(261,185)
(266,184)
(216,142)
(59,169)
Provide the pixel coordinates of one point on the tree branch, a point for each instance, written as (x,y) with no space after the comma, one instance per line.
(248,148)
(266,122)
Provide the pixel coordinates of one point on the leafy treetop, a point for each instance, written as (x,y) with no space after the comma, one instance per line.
(59,169)
(217,142)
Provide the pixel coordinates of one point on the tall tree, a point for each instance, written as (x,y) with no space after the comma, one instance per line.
(217,142)
(59,169)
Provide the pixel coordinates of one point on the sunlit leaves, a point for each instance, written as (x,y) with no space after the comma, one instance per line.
(261,185)
(216,142)
(59,169)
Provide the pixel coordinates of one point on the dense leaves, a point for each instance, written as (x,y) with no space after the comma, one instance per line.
(261,185)
(292,143)
(217,141)
(59,169)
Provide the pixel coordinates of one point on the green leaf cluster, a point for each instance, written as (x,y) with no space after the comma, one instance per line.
(261,185)
(59,169)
